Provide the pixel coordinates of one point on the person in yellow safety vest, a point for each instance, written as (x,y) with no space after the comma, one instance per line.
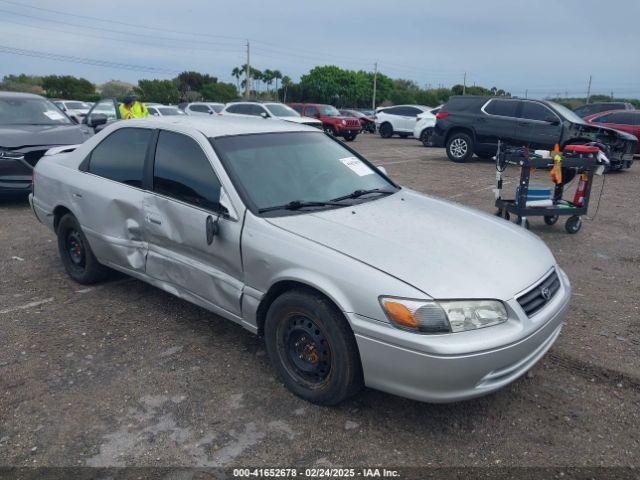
(132,108)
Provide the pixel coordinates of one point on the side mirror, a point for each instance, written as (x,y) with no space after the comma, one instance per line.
(552,121)
(97,119)
(264,115)
(382,169)
(212,228)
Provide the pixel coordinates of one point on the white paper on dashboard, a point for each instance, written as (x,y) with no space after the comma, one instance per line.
(357,166)
(54,115)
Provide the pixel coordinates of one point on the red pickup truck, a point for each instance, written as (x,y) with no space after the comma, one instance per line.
(332,121)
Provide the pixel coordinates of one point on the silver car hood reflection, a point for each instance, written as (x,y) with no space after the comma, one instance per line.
(442,248)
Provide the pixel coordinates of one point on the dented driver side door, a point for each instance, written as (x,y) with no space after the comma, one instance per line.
(108,202)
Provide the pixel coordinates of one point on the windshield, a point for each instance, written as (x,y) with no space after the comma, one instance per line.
(328,111)
(77,105)
(278,168)
(566,113)
(170,111)
(279,110)
(30,111)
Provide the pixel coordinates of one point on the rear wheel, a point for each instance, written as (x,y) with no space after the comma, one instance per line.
(386,130)
(312,347)
(573,224)
(551,219)
(459,147)
(425,136)
(76,254)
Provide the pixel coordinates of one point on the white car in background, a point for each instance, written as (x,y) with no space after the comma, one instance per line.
(398,120)
(269,110)
(424,126)
(201,108)
(158,110)
(74,109)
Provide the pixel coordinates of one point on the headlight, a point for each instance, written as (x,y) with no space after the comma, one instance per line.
(343,122)
(445,316)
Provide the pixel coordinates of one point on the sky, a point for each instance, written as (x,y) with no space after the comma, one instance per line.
(538,47)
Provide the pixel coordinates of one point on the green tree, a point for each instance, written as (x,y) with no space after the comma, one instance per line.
(219,92)
(286,83)
(237,72)
(277,75)
(22,83)
(190,81)
(115,89)
(162,91)
(69,87)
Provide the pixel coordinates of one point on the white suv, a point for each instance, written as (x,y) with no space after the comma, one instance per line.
(398,120)
(423,129)
(269,110)
(201,108)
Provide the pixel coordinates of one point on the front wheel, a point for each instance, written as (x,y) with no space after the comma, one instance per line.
(459,147)
(425,137)
(312,347)
(350,137)
(386,130)
(330,130)
(551,219)
(573,224)
(76,254)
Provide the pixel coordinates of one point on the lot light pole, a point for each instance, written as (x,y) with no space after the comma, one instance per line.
(247,74)
(589,89)
(464,84)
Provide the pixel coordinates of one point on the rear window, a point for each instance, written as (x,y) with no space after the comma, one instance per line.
(504,108)
(121,155)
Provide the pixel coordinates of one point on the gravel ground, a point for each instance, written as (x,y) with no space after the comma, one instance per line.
(124,374)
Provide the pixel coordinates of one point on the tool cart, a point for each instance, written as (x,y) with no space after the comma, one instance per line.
(581,161)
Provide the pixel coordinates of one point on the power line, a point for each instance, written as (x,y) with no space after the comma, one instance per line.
(82,60)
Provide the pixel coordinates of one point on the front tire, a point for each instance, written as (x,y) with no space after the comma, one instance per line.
(330,130)
(386,130)
(350,137)
(76,254)
(312,347)
(459,147)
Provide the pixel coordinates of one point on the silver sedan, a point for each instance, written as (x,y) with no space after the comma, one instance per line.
(351,279)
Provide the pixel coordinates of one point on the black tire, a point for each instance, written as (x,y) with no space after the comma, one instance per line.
(551,219)
(350,137)
(330,130)
(371,127)
(573,224)
(425,136)
(76,254)
(312,347)
(459,147)
(386,130)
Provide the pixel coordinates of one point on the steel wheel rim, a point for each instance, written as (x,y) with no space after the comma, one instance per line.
(458,148)
(75,248)
(305,350)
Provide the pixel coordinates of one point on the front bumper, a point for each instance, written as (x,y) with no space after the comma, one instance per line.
(426,371)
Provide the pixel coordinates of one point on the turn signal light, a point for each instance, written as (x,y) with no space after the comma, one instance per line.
(442,115)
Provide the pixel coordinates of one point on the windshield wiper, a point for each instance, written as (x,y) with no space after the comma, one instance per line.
(360,193)
(298,204)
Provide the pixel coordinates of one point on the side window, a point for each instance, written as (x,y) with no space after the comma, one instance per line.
(393,111)
(536,111)
(182,171)
(412,111)
(106,107)
(199,108)
(121,155)
(153,111)
(310,111)
(621,118)
(602,118)
(234,108)
(505,108)
(258,110)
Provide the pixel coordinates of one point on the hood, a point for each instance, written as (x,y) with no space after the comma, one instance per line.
(305,120)
(444,249)
(589,127)
(17,136)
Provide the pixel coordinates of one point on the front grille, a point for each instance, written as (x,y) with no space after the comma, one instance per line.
(34,156)
(540,295)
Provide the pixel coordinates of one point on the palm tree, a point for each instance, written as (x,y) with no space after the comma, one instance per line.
(277,75)
(267,76)
(286,82)
(257,75)
(237,73)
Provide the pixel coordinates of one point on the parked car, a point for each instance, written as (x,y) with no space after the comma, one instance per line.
(623,120)
(74,109)
(269,110)
(292,235)
(473,124)
(201,108)
(30,125)
(159,110)
(398,120)
(332,122)
(424,125)
(367,122)
(592,108)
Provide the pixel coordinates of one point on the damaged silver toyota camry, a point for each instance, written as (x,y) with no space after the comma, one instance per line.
(351,279)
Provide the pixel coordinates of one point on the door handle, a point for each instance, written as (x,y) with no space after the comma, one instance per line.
(76,195)
(212,228)
(152,219)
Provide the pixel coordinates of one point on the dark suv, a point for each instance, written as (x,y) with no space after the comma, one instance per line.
(468,124)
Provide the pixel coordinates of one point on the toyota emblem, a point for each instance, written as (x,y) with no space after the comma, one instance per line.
(545,292)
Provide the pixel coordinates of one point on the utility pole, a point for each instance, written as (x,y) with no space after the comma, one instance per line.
(611,94)
(375,81)
(526,92)
(589,89)
(464,84)
(247,74)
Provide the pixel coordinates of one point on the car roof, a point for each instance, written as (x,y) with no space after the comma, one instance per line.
(20,95)
(222,126)
(617,110)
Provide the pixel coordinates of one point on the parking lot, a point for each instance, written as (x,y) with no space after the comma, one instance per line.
(125,374)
